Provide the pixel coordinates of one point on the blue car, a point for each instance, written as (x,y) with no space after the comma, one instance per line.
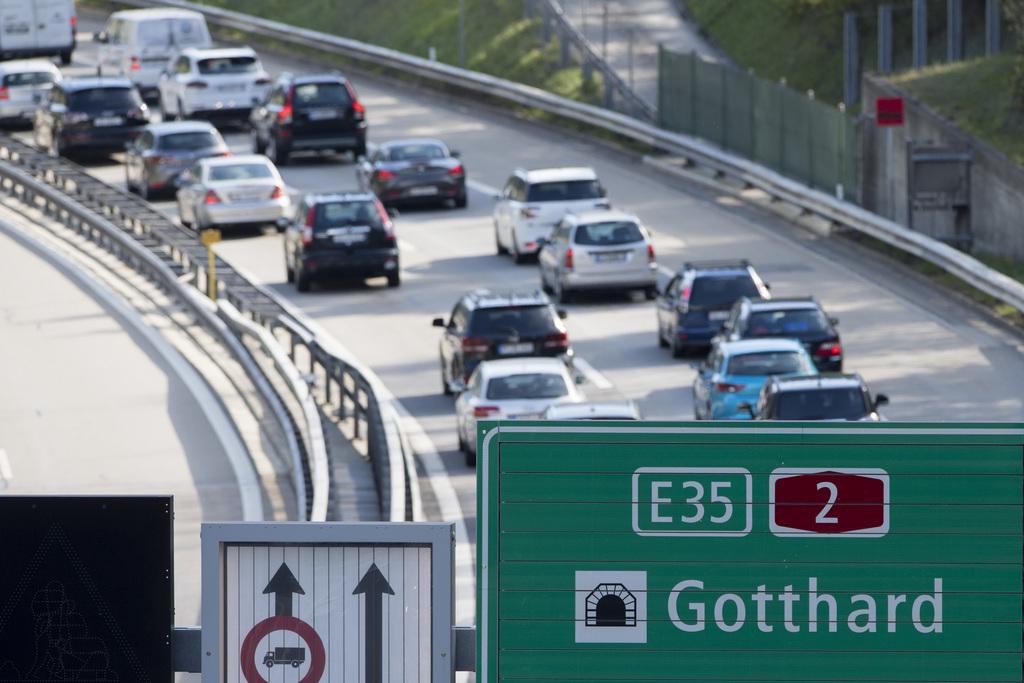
(735,371)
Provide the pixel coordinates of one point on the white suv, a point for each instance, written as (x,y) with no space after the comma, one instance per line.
(222,83)
(533,201)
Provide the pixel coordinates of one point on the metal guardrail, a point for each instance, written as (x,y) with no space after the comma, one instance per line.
(695,151)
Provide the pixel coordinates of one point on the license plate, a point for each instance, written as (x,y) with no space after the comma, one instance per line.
(250,197)
(238,87)
(422,191)
(610,256)
(718,315)
(523,347)
(322,114)
(108,121)
(525,416)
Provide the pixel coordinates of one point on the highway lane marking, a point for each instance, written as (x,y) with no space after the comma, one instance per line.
(5,467)
(591,373)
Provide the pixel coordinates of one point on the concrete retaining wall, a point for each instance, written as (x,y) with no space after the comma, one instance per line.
(996,219)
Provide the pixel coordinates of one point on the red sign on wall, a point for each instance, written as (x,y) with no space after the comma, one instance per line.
(889,111)
(840,502)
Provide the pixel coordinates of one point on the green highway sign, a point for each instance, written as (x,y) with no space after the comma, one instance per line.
(649,551)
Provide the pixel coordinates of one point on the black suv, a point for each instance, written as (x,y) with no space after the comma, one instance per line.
(697,299)
(339,236)
(485,325)
(96,113)
(315,112)
(830,396)
(802,319)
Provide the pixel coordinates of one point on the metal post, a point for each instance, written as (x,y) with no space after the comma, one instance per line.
(583,17)
(604,34)
(954,31)
(462,34)
(630,58)
(920,33)
(851,75)
(884,39)
(991,27)
(891,163)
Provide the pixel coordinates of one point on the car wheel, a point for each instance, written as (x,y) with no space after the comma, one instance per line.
(394,279)
(497,241)
(255,144)
(651,293)
(65,57)
(56,147)
(275,154)
(661,340)
(180,114)
(145,191)
(545,287)
(445,387)
(461,201)
(678,350)
(561,293)
(301,279)
(516,256)
(470,455)
(289,272)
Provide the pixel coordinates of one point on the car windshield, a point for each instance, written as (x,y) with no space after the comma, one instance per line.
(227,65)
(607,234)
(104,99)
(821,404)
(533,385)
(719,291)
(424,151)
(339,214)
(769,363)
(308,95)
(188,141)
(785,323)
(240,172)
(565,190)
(527,321)
(29,78)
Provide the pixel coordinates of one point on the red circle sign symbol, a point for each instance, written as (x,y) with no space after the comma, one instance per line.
(317,655)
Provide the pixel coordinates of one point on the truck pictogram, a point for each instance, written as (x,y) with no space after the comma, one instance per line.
(285,655)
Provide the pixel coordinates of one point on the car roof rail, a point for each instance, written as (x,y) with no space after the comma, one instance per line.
(721,263)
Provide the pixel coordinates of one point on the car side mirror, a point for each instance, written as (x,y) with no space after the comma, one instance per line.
(581,379)
(496,197)
(745,407)
(541,241)
(697,365)
(834,321)
(459,386)
(881,400)
(562,313)
(100,37)
(455,153)
(438,322)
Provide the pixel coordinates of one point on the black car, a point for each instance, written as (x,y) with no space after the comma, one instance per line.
(339,237)
(697,299)
(485,325)
(413,171)
(829,396)
(315,112)
(801,318)
(98,114)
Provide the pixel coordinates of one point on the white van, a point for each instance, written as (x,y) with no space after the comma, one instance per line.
(37,28)
(138,43)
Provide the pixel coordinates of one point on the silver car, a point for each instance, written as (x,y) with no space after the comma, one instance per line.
(163,150)
(245,189)
(23,85)
(598,250)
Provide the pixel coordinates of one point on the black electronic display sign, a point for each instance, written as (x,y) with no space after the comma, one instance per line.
(86,588)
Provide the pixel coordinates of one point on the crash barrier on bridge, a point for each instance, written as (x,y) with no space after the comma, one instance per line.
(175,260)
(692,151)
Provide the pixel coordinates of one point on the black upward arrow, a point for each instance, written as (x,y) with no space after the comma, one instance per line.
(282,586)
(375,586)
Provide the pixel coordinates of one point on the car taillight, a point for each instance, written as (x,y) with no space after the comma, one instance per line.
(197,84)
(684,301)
(307,229)
(139,113)
(386,175)
(285,115)
(456,171)
(135,66)
(558,340)
(160,160)
(357,107)
(278,192)
(262,80)
(728,388)
(4,94)
(650,254)
(474,345)
(211,198)
(485,411)
(829,349)
(567,264)
(529,211)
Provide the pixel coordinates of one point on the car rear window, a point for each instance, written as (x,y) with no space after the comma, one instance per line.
(768,363)
(188,141)
(823,404)
(310,95)
(408,152)
(103,99)
(782,323)
(718,292)
(533,385)
(240,172)
(28,78)
(566,190)
(339,214)
(597,234)
(227,65)
(524,320)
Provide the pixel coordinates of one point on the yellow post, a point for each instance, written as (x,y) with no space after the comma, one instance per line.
(211,237)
